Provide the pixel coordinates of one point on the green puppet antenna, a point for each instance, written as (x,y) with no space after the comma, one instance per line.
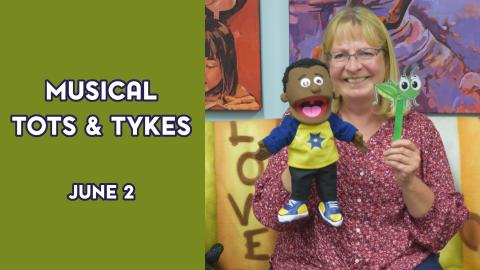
(402,96)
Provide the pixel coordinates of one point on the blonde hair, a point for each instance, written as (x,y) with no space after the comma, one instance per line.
(343,25)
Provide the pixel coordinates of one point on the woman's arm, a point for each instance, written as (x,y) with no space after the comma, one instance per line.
(404,158)
(435,210)
(418,197)
(287,180)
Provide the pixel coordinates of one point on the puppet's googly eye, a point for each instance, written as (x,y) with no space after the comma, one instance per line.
(415,82)
(404,84)
(318,80)
(305,82)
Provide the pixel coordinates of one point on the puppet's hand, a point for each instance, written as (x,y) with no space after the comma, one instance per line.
(241,103)
(262,152)
(359,143)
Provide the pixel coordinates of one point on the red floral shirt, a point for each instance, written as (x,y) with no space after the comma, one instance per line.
(377,232)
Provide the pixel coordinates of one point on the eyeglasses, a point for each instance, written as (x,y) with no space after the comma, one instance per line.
(361,55)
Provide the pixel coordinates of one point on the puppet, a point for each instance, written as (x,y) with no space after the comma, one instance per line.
(309,130)
(402,96)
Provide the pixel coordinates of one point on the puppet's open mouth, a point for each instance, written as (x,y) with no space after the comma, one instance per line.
(312,107)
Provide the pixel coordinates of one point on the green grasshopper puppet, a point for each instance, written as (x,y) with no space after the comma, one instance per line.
(402,95)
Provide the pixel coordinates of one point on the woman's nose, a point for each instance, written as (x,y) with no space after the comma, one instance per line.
(353,64)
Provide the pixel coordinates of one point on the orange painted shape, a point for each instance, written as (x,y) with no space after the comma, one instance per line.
(468,134)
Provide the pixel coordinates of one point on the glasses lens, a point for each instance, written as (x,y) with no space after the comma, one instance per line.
(339,57)
(360,55)
(366,54)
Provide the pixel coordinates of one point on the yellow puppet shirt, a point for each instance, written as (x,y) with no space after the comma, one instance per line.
(309,146)
(313,147)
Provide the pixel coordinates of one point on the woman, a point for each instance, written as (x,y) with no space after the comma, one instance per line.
(222,90)
(399,202)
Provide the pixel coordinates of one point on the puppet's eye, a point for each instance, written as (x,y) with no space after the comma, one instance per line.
(305,82)
(404,84)
(318,80)
(416,83)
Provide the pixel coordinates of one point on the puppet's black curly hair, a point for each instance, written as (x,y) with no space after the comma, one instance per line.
(305,63)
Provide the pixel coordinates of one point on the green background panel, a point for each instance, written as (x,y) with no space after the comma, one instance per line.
(39,228)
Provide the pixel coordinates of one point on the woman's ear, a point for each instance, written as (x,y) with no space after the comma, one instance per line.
(284,97)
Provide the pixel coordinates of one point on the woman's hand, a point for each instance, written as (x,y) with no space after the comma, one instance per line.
(241,103)
(404,158)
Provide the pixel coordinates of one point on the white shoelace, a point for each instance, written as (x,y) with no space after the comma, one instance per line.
(292,202)
(333,204)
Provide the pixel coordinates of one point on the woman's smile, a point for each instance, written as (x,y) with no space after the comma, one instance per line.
(356,80)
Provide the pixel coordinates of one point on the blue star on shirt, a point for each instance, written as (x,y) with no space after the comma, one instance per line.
(315,140)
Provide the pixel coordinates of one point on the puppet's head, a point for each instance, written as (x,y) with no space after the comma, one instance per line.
(308,90)
(408,88)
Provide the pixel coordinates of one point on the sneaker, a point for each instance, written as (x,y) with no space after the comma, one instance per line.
(293,210)
(330,212)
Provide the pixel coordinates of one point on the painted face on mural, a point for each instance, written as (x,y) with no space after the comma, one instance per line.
(217,6)
(309,93)
(213,73)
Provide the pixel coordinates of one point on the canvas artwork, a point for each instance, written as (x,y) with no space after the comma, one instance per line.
(232,55)
(440,37)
